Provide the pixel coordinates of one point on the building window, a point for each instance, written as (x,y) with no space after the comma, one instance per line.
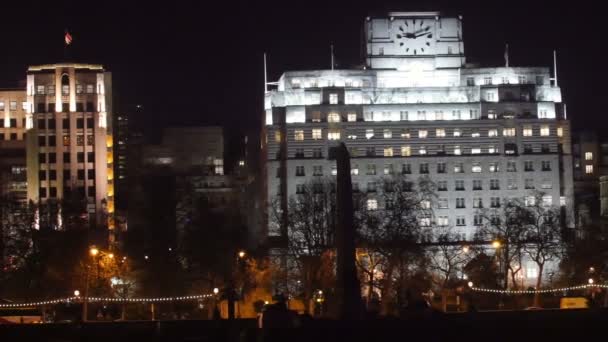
(456,115)
(406,169)
(355,187)
(388,151)
(439,115)
(490,96)
(13,136)
(316,116)
(527,131)
(334,170)
(423,133)
(487,80)
(478,220)
(528,165)
(90,88)
(41,140)
(333,134)
(459,185)
(442,186)
(52,158)
(369,133)
(299,153)
(317,133)
(562,201)
(457,132)
(442,221)
(492,114)
(511,166)
(388,134)
(370,151)
(442,203)
(80,140)
(440,132)
(528,148)
(494,184)
(351,117)
(492,132)
(317,170)
(424,168)
(371,186)
(493,167)
(529,184)
(457,150)
(458,168)
(511,184)
(91,174)
(42,192)
(477,184)
(492,149)
(470,81)
(66,157)
(544,131)
(546,184)
(560,132)
(421,115)
(406,151)
(80,174)
(546,165)
(422,150)
(508,132)
(388,169)
(371,169)
(299,171)
(477,202)
(404,115)
(588,169)
(333,117)
(299,188)
(588,155)
(476,168)
(13,105)
(354,170)
(372,204)
(299,135)
(317,152)
(529,201)
(52,141)
(460,221)
(42,175)
(475,150)
(441,168)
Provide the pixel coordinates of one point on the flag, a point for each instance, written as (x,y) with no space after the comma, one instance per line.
(68,38)
(507,55)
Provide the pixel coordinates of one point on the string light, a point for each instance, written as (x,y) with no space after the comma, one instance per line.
(570,288)
(106,299)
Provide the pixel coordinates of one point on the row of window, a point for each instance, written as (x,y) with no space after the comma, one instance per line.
(51,140)
(12,123)
(488,80)
(458,167)
(317,133)
(65,89)
(52,174)
(12,105)
(11,136)
(52,191)
(51,124)
(51,157)
(50,108)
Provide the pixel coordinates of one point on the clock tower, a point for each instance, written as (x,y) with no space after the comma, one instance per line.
(414,40)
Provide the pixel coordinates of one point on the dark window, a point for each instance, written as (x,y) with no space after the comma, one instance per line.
(90,157)
(52,140)
(52,124)
(42,157)
(41,107)
(80,174)
(65,107)
(41,123)
(80,157)
(545,148)
(91,174)
(91,191)
(89,122)
(90,107)
(79,107)
(42,192)
(299,153)
(53,192)
(370,151)
(52,174)
(90,141)
(424,168)
(67,191)
(79,123)
(528,148)
(67,174)
(52,158)
(51,108)
(14,136)
(441,167)
(41,140)
(66,123)
(406,169)
(66,157)
(13,123)
(1,136)
(81,191)
(42,175)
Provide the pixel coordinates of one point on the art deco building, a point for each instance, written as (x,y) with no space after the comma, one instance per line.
(483,134)
(69,136)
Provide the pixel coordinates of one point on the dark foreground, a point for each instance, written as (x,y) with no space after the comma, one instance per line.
(549,325)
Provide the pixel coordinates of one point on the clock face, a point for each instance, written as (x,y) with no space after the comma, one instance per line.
(415,36)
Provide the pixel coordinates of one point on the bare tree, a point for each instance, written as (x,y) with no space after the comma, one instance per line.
(447,257)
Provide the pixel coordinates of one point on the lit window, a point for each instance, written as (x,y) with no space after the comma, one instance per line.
(457,150)
(588,169)
(352,136)
(369,133)
(388,151)
(277,136)
(405,134)
(458,168)
(425,204)
(333,135)
(476,168)
(531,272)
(493,167)
(422,150)
(406,151)
(440,132)
(388,169)
(492,149)
(422,133)
(352,117)
(299,135)
(295,83)
(442,203)
(316,116)
(475,135)
(354,170)
(529,201)
(334,170)
(219,166)
(333,117)
(560,131)
(333,98)
(372,204)
(546,184)
(588,155)
(388,134)
(475,150)
(13,105)
(547,200)
(508,132)
(477,202)
(562,201)
(493,133)
(527,131)
(544,131)
(457,132)
(425,221)
(442,221)
(317,133)
(492,114)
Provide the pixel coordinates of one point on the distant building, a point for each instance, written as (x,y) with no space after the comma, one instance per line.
(417,109)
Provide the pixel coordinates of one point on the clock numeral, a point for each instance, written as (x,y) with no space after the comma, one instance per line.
(430,36)
(428,44)
(422,49)
(407,49)
(401,44)
(414,51)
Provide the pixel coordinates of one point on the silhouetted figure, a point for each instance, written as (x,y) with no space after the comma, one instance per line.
(277,321)
(216,313)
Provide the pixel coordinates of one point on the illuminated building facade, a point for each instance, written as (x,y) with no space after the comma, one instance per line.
(68,121)
(13,183)
(482,134)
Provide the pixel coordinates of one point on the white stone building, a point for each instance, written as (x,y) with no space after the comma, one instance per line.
(483,134)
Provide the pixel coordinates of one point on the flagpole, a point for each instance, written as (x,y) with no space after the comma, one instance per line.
(507,55)
(555,66)
(332,56)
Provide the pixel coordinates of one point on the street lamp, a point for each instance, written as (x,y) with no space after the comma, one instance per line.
(590,281)
(216,291)
(76,293)
(93,251)
(496,244)
(242,254)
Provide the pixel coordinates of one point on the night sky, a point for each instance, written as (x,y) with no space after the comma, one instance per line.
(201,62)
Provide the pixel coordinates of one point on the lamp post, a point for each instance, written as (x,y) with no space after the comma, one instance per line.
(231,289)
(93,251)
